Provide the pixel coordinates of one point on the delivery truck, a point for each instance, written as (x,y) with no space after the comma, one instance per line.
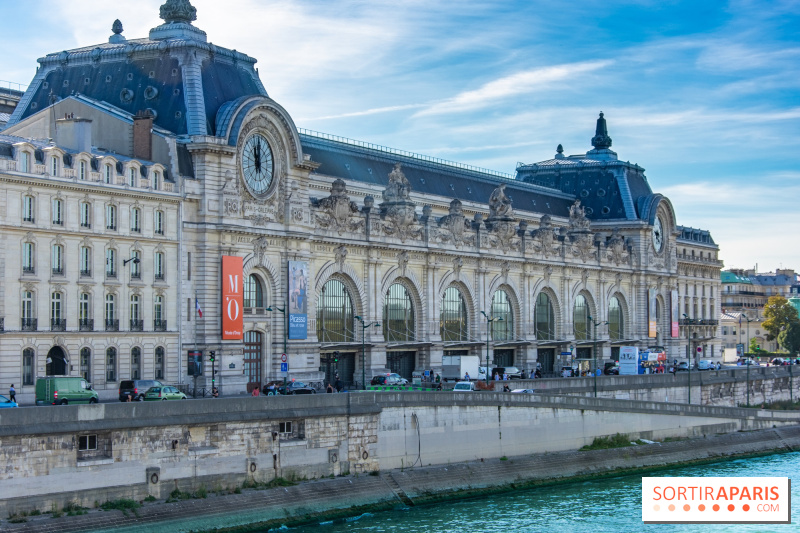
(455,367)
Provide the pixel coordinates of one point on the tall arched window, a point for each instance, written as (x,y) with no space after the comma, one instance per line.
(136,363)
(545,318)
(57,320)
(135,311)
(335,313)
(86,215)
(453,319)
(580,318)
(86,364)
(28,258)
(502,330)
(159,321)
(159,362)
(57,259)
(28,209)
(616,322)
(84,313)
(111,364)
(27,319)
(398,315)
(253,292)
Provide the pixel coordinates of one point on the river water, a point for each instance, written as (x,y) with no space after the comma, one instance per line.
(609,505)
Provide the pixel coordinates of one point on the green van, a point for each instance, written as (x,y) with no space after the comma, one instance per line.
(63,390)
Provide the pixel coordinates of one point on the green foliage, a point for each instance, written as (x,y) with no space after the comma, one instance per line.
(789,338)
(35,512)
(504,458)
(55,512)
(201,493)
(121,505)
(754,347)
(17,518)
(778,314)
(150,498)
(780,405)
(605,443)
(73,509)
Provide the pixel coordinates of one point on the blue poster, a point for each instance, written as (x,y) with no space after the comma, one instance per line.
(298,300)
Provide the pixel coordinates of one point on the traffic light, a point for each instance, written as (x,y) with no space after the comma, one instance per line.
(335,357)
(211,355)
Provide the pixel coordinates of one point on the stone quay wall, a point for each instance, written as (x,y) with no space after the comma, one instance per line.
(94,453)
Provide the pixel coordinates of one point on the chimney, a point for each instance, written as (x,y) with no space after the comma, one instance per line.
(142,136)
(74,134)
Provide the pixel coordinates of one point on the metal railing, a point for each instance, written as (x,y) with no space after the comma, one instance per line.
(28,324)
(58,324)
(58,271)
(159,325)
(137,325)
(112,325)
(28,270)
(86,273)
(86,324)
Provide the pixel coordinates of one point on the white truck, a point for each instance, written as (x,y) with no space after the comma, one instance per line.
(455,367)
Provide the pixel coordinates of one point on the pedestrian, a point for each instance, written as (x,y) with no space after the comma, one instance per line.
(338,385)
(12,393)
(256,392)
(506,389)
(505,376)
(522,374)
(214,392)
(330,388)
(438,378)
(466,376)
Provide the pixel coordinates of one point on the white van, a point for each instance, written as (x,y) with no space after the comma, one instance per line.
(464,386)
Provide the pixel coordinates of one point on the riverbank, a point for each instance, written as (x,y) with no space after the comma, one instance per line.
(311,501)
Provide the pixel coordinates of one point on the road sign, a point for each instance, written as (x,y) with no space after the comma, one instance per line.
(740,350)
(566,353)
(283,358)
(284,367)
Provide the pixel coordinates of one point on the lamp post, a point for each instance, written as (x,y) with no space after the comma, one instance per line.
(747,360)
(691,351)
(594,350)
(489,320)
(285,335)
(363,349)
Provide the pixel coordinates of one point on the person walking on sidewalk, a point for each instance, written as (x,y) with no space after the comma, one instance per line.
(12,393)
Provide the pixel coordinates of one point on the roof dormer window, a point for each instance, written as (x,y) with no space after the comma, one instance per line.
(54,166)
(25,162)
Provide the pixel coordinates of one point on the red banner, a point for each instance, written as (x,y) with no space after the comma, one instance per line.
(232,298)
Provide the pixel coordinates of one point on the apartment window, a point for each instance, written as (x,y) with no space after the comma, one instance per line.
(136,363)
(285,427)
(111,364)
(86,261)
(27,366)
(111,217)
(108,174)
(28,209)
(57,321)
(27,305)
(111,311)
(54,166)
(159,362)
(58,212)
(136,264)
(84,307)
(25,162)
(57,260)
(158,223)
(87,443)
(86,364)
(82,170)
(159,266)
(134,308)
(136,220)
(28,257)
(159,324)
(157,180)
(111,263)
(86,215)
(132,176)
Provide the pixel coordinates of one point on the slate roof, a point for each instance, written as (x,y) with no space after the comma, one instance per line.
(697,236)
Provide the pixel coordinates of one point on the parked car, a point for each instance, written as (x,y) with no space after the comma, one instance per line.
(464,386)
(611,369)
(706,364)
(388,380)
(274,388)
(63,390)
(136,388)
(524,391)
(163,393)
(5,402)
(512,371)
(683,366)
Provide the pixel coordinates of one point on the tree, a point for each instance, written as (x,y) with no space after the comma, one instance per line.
(778,314)
(754,347)
(789,338)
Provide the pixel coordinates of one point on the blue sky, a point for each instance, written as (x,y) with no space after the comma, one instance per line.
(704,95)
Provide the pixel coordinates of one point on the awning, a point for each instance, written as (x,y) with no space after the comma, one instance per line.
(462,344)
(545,344)
(346,346)
(407,345)
(506,344)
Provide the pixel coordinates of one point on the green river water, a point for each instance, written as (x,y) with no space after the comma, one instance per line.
(610,505)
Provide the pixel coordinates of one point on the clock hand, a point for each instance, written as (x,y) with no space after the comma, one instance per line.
(257,156)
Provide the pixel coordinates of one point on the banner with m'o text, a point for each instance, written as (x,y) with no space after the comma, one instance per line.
(232,298)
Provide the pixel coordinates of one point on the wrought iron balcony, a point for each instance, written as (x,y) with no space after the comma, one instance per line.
(137,325)
(29,219)
(58,271)
(159,276)
(29,270)
(136,275)
(112,226)
(58,222)
(86,225)
(136,229)
(111,273)
(112,325)
(58,324)
(86,273)
(2,324)
(86,324)
(28,324)
(159,325)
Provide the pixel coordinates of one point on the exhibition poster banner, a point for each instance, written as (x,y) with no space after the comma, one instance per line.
(675,315)
(652,330)
(232,298)
(298,302)
(628,360)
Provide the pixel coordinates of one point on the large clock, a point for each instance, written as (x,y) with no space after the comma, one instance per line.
(658,235)
(257,164)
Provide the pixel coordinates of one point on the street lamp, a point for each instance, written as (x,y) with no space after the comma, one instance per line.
(594,351)
(285,335)
(489,320)
(691,351)
(363,349)
(747,361)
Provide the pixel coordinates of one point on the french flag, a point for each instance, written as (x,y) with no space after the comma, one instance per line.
(197,306)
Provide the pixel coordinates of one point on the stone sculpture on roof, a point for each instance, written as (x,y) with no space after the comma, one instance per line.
(454,227)
(617,249)
(398,211)
(499,203)
(601,140)
(577,217)
(545,238)
(178,11)
(501,225)
(337,211)
(580,234)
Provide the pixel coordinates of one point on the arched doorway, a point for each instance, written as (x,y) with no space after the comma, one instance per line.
(56,362)
(253,342)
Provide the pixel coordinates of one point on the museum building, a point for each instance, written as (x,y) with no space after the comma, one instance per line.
(164,205)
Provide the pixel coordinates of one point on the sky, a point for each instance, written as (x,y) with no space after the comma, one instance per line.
(704,95)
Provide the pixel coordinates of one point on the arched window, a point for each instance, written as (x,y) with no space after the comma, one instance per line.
(54,166)
(57,259)
(136,264)
(111,263)
(28,318)
(453,319)
(86,364)
(82,170)
(28,209)
(616,322)
(136,220)
(158,266)
(335,313)
(580,318)
(136,363)
(111,364)
(27,366)
(86,262)
(398,315)
(253,292)
(86,215)
(158,222)
(28,258)
(57,320)
(502,330)
(545,318)
(157,180)
(58,212)
(159,362)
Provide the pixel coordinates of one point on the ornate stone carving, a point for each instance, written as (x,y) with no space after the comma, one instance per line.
(545,238)
(584,277)
(500,204)
(341,256)
(548,271)
(505,268)
(457,264)
(616,249)
(178,11)
(580,235)
(402,262)
(501,224)
(260,249)
(273,209)
(454,227)
(577,217)
(337,211)
(398,211)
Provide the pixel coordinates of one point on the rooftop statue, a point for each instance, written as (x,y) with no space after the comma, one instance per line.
(398,188)
(178,11)
(499,203)
(601,140)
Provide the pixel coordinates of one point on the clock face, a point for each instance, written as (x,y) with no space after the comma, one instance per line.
(658,235)
(257,164)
